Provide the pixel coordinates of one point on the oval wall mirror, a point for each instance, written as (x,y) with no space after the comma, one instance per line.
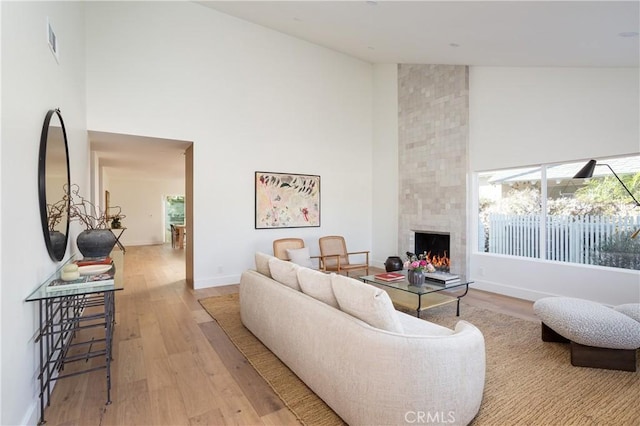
(53,184)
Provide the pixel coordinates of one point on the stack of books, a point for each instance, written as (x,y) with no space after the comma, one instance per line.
(85,280)
(94,261)
(442,278)
(390,276)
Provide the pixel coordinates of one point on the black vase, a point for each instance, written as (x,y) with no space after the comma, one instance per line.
(58,243)
(96,243)
(393,263)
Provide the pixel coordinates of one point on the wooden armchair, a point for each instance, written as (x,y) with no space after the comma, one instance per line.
(301,257)
(335,257)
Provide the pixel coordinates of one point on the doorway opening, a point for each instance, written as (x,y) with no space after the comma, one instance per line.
(173,214)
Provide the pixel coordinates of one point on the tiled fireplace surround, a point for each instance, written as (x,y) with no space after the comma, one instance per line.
(433,121)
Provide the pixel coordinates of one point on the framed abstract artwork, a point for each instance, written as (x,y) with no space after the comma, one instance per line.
(287,200)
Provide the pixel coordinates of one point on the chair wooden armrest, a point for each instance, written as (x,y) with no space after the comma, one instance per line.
(365,252)
(323,258)
(334,246)
(329,256)
(320,267)
(359,252)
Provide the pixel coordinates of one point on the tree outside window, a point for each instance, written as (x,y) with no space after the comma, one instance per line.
(585,221)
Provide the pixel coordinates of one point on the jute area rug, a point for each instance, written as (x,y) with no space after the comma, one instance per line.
(528,382)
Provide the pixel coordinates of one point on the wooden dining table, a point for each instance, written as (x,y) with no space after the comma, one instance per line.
(180,229)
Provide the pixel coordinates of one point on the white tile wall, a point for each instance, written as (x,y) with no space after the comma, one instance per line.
(433,121)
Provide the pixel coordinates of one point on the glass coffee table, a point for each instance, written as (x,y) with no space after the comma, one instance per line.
(423,297)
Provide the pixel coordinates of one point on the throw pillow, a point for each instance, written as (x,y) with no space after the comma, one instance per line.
(262,264)
(317,285)
(300,256)
(284,272)
(366,302)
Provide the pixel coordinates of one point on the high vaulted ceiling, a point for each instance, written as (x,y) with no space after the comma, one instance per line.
(489,33)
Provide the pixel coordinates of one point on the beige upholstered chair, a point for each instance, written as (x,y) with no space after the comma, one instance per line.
(301,256)
(335,257)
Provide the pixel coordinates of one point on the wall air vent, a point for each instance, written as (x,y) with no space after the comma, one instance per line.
(52,40)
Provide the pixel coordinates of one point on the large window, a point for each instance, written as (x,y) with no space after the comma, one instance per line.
(542,212)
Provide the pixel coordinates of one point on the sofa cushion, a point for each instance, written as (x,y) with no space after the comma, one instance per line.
(300,256)
(284,272)
(262,263)
(317,285)
(366,302)
(414,326)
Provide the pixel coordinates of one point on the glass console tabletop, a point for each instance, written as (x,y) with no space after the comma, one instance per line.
(426,296)
(41,293)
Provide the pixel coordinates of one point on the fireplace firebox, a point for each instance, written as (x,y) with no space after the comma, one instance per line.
(436,246)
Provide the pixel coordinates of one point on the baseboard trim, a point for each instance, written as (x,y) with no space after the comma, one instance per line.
(216,282)
(506,290)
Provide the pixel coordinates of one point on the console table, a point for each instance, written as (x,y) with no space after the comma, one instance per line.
(75,326)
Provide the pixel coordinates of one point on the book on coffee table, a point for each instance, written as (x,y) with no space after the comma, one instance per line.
(443,278)
(390,276)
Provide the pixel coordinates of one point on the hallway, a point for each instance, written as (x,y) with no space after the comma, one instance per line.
(172,364)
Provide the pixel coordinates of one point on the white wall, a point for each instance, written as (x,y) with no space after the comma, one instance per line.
(384,209)
(250,99)
(522,116)
(142,201)
(32,83)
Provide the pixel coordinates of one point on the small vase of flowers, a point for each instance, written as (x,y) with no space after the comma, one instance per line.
(416,266)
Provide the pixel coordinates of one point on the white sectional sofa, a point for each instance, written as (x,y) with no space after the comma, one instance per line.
(401,370)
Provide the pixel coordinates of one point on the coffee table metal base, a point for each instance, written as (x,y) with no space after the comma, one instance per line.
(420,299)
(425,301)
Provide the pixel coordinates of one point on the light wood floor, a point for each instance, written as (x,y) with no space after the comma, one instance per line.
(173,365)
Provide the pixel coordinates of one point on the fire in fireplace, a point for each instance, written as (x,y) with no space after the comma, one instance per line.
(435,246)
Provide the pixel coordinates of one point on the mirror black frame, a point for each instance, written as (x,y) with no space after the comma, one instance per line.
(42,185)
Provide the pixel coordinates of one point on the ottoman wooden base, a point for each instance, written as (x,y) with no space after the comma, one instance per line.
(591,356)
(611,359)
(549,335)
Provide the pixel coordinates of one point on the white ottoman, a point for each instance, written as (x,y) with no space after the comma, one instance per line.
(601,337)
(630,309)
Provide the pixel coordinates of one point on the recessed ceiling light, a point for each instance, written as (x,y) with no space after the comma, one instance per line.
(628,34)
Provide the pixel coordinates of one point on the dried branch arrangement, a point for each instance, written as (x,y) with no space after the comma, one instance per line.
(81,210)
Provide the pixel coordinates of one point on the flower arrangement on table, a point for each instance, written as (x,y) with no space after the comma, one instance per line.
(418,263)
